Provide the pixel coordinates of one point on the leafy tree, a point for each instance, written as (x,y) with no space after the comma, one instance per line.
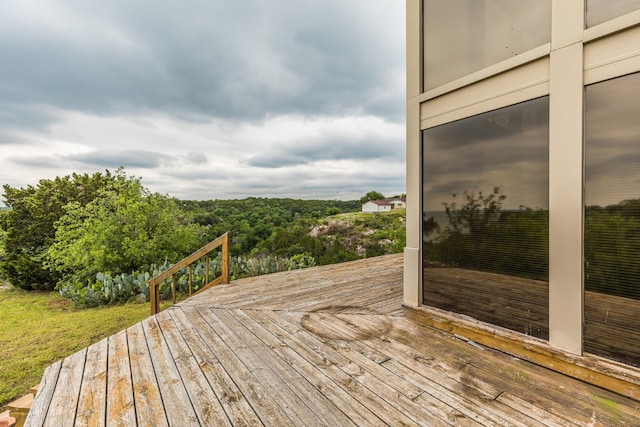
(371,195)
(123,229)
(30,223)
(253,220)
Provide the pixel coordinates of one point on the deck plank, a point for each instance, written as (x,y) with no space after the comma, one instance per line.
(257,394)
(338,368)
(177,405)
(205,403)
(363,353)
(256,360)
(92,401)
(235,404)
(541,387)
(146,392)
(121,404)
(299,384)
(64,402)
(47,388)
(324,382)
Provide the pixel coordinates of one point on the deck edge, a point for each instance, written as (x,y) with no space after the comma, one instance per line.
(608,374)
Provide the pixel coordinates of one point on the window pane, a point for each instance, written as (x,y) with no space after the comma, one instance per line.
(464,36)
(612,219)
(486,217)
(599,11)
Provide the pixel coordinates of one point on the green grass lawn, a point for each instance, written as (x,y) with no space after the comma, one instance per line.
(38,328)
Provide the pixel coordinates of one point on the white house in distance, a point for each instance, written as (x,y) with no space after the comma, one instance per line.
(384,205)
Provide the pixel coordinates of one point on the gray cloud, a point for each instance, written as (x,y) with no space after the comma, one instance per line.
(198,59)
(166,89)
(115,159)
(328,148)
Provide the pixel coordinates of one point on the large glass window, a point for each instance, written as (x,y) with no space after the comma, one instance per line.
(464,36)
(612,219)
(486,218)
(599,11)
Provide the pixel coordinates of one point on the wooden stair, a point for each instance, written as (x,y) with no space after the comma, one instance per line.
(19,408)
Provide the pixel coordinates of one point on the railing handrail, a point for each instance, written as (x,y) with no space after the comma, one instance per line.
(154,295)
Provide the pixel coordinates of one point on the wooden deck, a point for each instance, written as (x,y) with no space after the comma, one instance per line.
(327,346)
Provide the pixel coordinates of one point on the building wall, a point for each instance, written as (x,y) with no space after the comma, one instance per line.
(370,206)
(581,53)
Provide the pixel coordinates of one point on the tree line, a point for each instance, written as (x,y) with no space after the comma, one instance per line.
(71,232)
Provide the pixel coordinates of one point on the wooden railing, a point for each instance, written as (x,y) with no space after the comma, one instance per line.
(154,283)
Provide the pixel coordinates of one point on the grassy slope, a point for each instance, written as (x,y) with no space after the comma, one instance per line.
(37,329)
(358,230)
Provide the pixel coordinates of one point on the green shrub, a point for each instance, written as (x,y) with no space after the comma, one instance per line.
(107,289)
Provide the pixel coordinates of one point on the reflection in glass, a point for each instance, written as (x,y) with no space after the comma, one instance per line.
(485,217)
(599,11)
(464,36)
(612,219)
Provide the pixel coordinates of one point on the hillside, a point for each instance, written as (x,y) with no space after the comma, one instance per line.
(341,237)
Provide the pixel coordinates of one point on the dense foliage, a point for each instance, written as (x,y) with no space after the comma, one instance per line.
(304,242)
(3,235)
(371,195)
(68,229)
(110,289)
(99,238)
(253,220)
(340,238)
(122,229)
(30,223)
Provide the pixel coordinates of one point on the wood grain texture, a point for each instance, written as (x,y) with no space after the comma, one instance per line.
(323,346)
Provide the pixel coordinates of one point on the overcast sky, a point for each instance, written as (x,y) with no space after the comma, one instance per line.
(206,99)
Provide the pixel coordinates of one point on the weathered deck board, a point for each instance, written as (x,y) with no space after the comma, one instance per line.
(316,347)
(231,398)
(177,405)
(64,401)
(146,392)
(244,379)
(205,403)
(92,398)
(120,406)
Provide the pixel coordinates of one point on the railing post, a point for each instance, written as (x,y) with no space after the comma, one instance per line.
(174,285)
(190,279)
(153,297)
(225,258)
(206,270)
